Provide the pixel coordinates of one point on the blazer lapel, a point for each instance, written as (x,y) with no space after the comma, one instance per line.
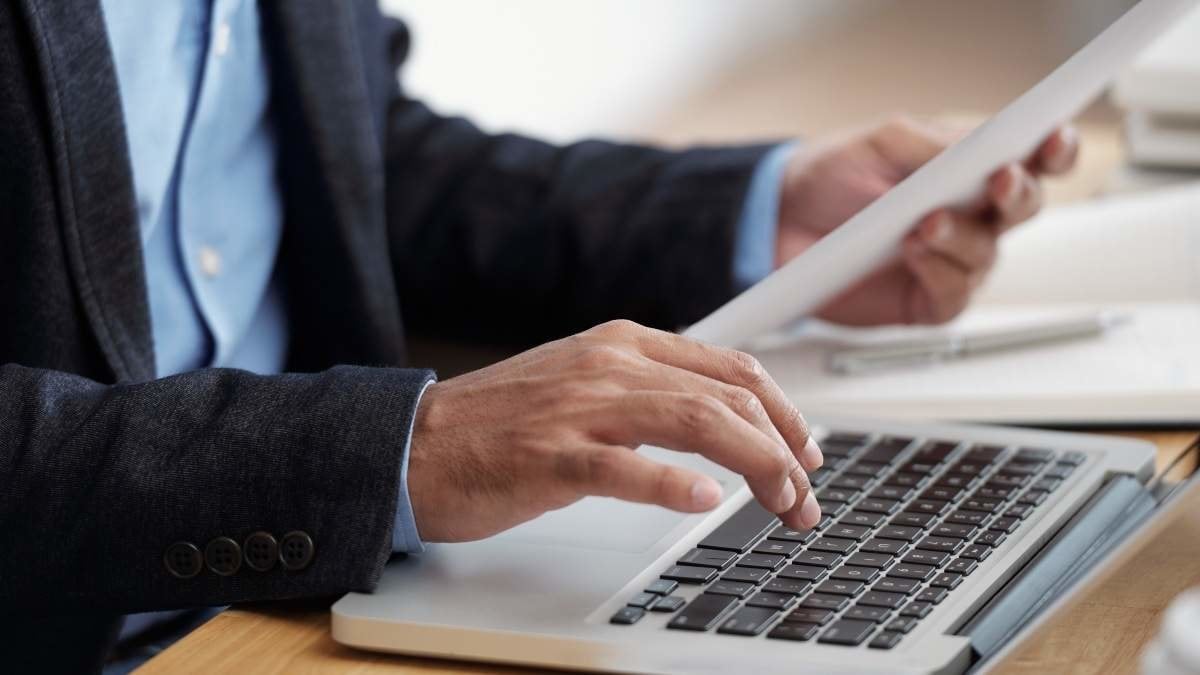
(94,179)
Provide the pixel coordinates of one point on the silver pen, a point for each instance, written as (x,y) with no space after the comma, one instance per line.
(933,351)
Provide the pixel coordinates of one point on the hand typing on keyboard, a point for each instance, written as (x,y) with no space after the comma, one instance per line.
(499,446)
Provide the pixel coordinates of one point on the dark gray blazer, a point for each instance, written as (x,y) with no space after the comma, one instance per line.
(103,467)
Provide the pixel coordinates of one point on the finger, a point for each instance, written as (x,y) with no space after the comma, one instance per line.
(702,424)
(941,289)
(907,144)
(1015,194)
(739,369)
(1057,154)
(610,471)
(968,242)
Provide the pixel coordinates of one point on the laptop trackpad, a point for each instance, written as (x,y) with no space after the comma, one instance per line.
(598,523)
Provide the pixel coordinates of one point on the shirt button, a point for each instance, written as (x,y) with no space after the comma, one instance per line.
(210,261)
(221,39)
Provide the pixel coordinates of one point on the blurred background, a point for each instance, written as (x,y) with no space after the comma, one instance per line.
(684,71)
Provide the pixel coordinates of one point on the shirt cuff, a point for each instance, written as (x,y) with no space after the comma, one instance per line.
(754,245)
(405,538)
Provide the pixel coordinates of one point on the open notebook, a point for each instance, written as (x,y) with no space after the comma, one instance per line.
(1137,255)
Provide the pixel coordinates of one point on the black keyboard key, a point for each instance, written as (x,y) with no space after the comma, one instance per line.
(968,467)
(1045,484)
(901,624)
(824,522)
(1059,470)
(821,476)
(984,454)
(1005,525)
(802,572)
(962,516)
(908,480)
(886,450)
(892,492)
(886,640)
(690,575)
(738,589)
(701,557)
(905,570)
(1015,468)
(801,632)
(850,482)
(936,451)
(832,545)
(991,538)
(897,585)
(901,532)
(963,566)
(889,546)
(741,530)
(927,507)
(1033,497)
(957,480)
(947,580)
(1008,480)
(942,493)
(627,616)
(1019,511)
(789,586)
(832,509)
(855,573)
(704,612)
(976,552)
(1074,458)
(872,505)
(662,587)
(862,518)
(916,609)
(761,560)
(906,519)
(954,530)
(786,549)
(840,587)
(642,600)
(933,595)
(919,466)
(982,504)
(750,575)
(817,558)
(832,603)
(847,632)
(668,604)
(748,621)
(832,494)
(882,599)
(861,468)
(862,612)
(934,558)
(788,534)
(940,544)
(812,615)
(876,560)
(852,532)
(772,600)
(993,491)
(1035,454)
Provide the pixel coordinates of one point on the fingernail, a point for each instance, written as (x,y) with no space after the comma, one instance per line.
(810,511)
(787,497)
(706,494)
(811,456)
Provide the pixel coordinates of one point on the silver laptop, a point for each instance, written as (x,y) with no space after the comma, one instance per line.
(938,544)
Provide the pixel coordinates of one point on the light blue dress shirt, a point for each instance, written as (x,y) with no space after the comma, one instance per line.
(195,95)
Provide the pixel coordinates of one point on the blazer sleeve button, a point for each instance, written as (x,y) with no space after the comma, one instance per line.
(261,551)
(296,550)
(223,556)
(183,560)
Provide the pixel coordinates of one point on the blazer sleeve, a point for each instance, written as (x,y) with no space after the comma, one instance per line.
(98,481)
(520,240)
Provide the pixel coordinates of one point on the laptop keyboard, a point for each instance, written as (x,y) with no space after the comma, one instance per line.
(904,521)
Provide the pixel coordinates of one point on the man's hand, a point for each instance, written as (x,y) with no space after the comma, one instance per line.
(947,255)
(500,446)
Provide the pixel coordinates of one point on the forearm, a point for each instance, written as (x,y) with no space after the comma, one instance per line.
(97,481)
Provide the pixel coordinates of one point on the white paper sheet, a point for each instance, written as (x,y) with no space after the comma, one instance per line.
(953,177)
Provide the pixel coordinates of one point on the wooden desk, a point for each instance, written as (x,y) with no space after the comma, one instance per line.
(1103,633)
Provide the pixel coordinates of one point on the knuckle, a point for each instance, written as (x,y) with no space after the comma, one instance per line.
(618,328)
(599,357)
(748,370)
(743,402)
(698,413)
(601,467)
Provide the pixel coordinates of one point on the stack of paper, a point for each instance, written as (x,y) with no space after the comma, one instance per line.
(1161,94)
(1135,255)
